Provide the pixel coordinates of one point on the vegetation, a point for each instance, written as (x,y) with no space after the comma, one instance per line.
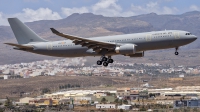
(143,109)
(46,90)
(8,103)
(103,100)
(33,86)
(66,86)
(125,101)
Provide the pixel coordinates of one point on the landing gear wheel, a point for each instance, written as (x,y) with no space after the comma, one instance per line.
(105,64)
(110,61)
(104,59)
(176,53)
(99,62)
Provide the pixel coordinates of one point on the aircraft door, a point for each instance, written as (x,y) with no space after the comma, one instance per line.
(148,37)
(176,35)
(49,46)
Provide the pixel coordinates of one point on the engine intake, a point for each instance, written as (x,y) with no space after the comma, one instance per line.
(126,49)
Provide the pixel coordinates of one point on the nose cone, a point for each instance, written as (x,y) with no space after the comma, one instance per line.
(194,38)
(191,38)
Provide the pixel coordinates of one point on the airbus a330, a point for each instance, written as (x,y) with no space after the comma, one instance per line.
(132,45)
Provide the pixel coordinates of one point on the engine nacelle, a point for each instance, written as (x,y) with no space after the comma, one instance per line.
(138,54)
(126,49)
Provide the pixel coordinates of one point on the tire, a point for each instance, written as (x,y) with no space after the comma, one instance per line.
(110,60)
(104,59)
(105,64)
(176,53)
(99,62)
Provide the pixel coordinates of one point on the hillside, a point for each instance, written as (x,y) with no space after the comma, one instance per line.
(13,87)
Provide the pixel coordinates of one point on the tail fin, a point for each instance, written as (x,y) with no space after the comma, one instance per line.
(23,33)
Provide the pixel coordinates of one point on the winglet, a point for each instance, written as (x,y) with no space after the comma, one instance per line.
(54,31)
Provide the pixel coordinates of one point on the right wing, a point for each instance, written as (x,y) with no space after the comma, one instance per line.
(20,46)
(96,45)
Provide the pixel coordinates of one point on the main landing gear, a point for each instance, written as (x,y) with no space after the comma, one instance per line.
(176,52)
(105,61)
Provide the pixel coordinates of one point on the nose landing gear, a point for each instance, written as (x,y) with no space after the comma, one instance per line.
(176,52)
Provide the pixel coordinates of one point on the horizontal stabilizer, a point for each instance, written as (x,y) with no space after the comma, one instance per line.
(20,46)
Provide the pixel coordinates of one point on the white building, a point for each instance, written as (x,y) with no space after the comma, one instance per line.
(6,77)
(82,98)
(124,107)
(24,101)
(106,106)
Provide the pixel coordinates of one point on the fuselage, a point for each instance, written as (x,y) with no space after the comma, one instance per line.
(144,41)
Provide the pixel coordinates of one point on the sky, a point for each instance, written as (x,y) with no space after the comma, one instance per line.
(34,10)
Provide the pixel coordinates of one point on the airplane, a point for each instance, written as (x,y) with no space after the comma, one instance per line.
(132,45)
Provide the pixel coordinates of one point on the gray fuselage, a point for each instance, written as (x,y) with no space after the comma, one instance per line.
(143,41)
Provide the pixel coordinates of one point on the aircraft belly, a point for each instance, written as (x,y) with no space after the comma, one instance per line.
(65,52)
(153,45)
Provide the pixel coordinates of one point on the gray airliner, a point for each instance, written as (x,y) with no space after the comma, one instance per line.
(132,45)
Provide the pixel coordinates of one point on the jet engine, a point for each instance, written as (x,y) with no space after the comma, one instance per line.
(126,49)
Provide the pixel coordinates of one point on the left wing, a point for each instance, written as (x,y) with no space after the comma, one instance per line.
(97,46)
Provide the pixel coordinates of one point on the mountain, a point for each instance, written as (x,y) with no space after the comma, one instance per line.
(90,25)
(189,21)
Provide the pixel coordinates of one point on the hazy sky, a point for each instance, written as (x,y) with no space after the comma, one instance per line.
(33,10)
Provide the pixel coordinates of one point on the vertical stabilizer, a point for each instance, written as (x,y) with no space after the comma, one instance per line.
(23,33)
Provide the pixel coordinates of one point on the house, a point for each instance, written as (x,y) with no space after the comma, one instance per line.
(164,102)
(143,94)
(24,101)
(99,94)
(105,106)
(109,99)
(124,107)
(82,100)
(187,103)
(123,91)
(2,101)
(44,102)
(65,101)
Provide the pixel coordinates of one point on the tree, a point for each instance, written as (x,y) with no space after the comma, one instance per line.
(125,102)
(143,109)
(45,90)
(68,86)
(103,100)
(92,102)
(8,103)
(120,102)
(116,100)
(77,85)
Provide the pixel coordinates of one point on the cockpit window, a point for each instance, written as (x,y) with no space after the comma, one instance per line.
(188,34)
